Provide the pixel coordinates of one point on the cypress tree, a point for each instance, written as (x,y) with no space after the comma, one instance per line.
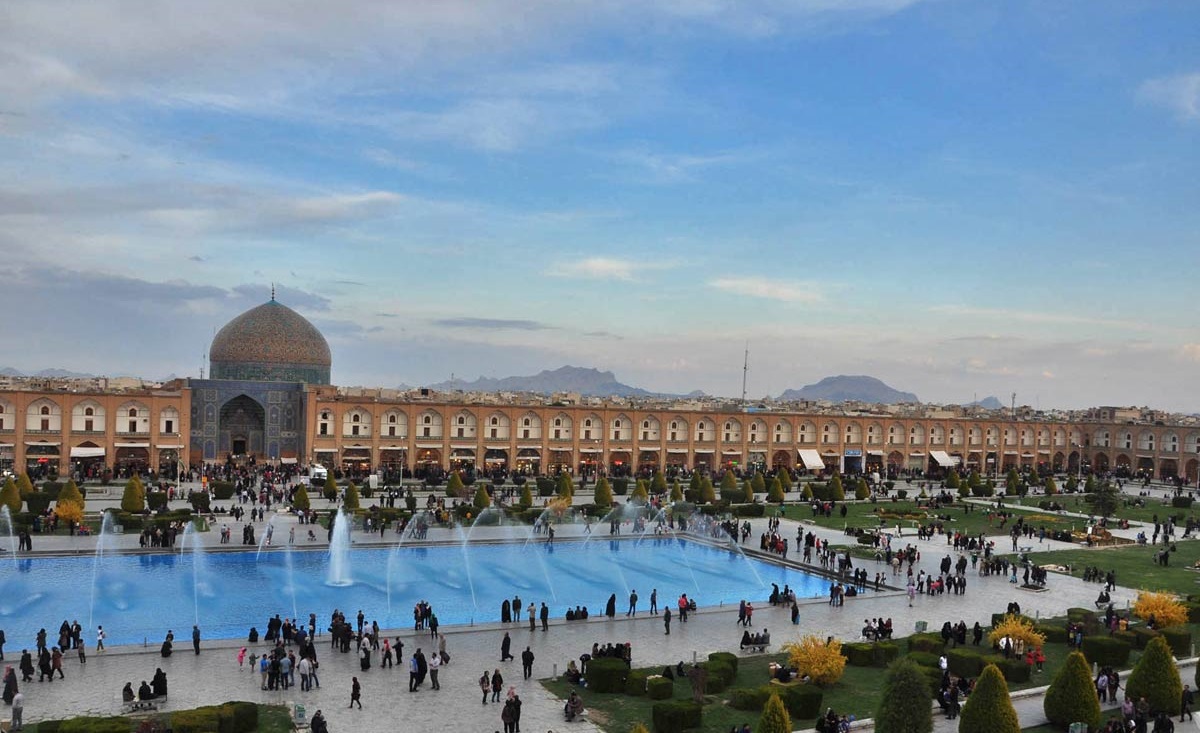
(1012,482)
(330,490)
(836,491)
(861,490)
(454,486)
(785,478)
(1156,677)
(1072,695)
(658,484)
(758,483)
(300,499)
(747,492)
(482,500)
(708,494)
(952,480)
(10,495)
(775,493)
(566,485)
(775,718)
(604,495)
(904,706)
(676,491)
(25,486)
(526,497)
(693,491)
(640,494)
(351,501)
(989,709)
(70,494)
(133,500)
(1051,487)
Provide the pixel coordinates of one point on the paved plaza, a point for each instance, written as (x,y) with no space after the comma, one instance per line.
(214,676)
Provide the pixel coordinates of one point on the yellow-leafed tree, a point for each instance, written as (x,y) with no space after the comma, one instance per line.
(1017,628)
(813,656)
(1164,607)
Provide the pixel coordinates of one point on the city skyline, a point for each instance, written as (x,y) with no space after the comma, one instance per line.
(960,200)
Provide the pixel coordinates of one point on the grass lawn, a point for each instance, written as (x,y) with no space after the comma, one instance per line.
(1134,566)
(908,515)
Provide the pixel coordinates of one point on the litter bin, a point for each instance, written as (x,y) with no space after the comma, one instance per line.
(1077,728)
(923,626)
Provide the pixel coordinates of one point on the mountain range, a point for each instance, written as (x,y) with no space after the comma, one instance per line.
(45,374)
(585,381)
(988,403)
(843,388)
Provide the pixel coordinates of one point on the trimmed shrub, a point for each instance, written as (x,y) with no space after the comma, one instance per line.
(245,717)
(200,501)
(1014,670)
(886,652)
(635,682)
(965,662)
(37,502)
(607,675)
(749,698)
(749,510)
(660,688)
(1156,677)
(928,642)
(859,654)
(720,675)
(52,488)
(1081,614)
(904,705)
(925,659)
(1142,636)
(92,725)
(620,486)
(1181,502)
(156,500)
(675,716)
(1126,636)
(1179,639)
(1054,634)
(200,720)
(221,490)
(11,496)
(989,709)
(803,702)
(726,657)
(1072,695)
(1106,651)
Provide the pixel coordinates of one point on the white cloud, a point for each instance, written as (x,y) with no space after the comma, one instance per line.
(1179,93)
(1190,352)
(658,167)
(600,268)
(759,287)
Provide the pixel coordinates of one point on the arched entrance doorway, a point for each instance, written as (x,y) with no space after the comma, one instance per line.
(1101,463)
(241,427)
(560,462)
(1190,469)
(1168,469)
(429,462)
(619,463)
(647,462)
(495,461)
(781,459)
(529,461)
(87,461)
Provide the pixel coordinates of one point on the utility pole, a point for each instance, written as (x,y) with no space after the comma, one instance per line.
(745,372)
(1012,414)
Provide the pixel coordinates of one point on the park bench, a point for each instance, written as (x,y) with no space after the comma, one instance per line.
(1025,548)
(760,648)
(136,705)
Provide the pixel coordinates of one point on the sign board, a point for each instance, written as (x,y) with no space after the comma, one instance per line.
(853,452)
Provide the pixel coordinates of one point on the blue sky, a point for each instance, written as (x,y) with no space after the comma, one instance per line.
(960,198)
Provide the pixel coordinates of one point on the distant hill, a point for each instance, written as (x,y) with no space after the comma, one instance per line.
(843,388)
(988,403)
(586,381)
(45,373)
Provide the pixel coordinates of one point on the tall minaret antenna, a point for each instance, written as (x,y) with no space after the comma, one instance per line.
(272,291)
(745,372)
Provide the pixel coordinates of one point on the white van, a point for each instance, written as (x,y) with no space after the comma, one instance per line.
(317,475)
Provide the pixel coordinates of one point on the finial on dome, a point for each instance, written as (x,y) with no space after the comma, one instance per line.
(272,292)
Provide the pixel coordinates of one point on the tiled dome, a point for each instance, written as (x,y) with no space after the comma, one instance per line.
(270,343)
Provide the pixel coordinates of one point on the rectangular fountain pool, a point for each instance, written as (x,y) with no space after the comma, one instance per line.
(138,597)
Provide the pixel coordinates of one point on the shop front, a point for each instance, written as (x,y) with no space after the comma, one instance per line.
(529,461)
(852,461)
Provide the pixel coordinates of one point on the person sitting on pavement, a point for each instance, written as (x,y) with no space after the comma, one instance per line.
(574,706)
(127,693)
(144,691)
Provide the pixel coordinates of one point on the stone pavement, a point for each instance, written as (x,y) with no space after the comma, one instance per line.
(213,676)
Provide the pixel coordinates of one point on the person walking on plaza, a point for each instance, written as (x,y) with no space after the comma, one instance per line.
(667,620)
(435,663)
(99,639)
(355,693)
(1185,703)
(485,685)
(497,685)
(414,670)
(18,709)
(196,639)
(506,648)
(527,663)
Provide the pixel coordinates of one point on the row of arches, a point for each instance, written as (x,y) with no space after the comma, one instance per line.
(89,416)
(563,426)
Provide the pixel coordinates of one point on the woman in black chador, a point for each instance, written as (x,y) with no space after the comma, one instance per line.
(610,609)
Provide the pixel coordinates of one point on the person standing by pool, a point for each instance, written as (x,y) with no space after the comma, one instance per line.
(632,604)
(654,602)
(516,608)
(532,617)
(667,620)
(545,615)
(196,638)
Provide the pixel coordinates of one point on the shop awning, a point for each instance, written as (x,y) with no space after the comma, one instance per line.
(287,460)
(392,447)
(169,446)
(944,459)
(463,447)
(42,442)
(434,446)
(132,445)
(731,452)
(495,447)
(86,452)
(875,453)
(1010,452)
(811,459)
(916,454)
(648,447)
(1027,455)
(677,450)
(537,448)
(324,450)
(589,450)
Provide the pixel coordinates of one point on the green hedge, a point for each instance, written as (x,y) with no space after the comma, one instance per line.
(635,682)
(727,657)
(928,642)
(660,688)
(868,654)
(221,490)
(91,725)
(200,720)
(156,500)
(1180,641)
(1181,502)
(1054,633)
(606,675)
(749,510)
(1106,651)
(1015,670)
(1142,636)
(802,701)
(965,662)
(1193,610)
(37,502)
(675,716)
(1085,615)
(749,698)
(52,489)
(925,659)
(1126,636)
(720,675)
